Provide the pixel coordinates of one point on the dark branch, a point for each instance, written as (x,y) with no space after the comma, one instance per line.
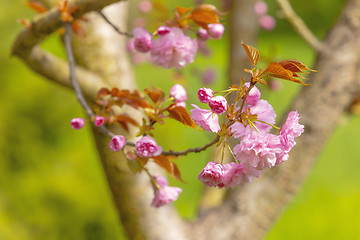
(113,26)
(191,150)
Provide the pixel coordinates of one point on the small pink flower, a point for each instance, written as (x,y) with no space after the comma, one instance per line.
(205,119)
(267,22)
(235,174)
(202,34)
(145,6)
(178,92)
(162,30)
(131,45)
(208,76)
(218,104)
(260,8)
(147,147)
(99,120)
(164,194)
(264,112)
(117,143)
(212,175)
(143,40)
(173,49)
(254,95)
(205,94)
(216,30)
(77,123)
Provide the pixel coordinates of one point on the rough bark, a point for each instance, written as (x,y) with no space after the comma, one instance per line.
(251,211)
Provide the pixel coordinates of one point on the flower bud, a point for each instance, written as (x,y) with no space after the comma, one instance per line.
(163,30)
(143,40)
(147,147)
(260,8)
(218,104)
(117,143)
(267,22)
(212,174)
(253,96)
(99,120)
(77,123)
(205,94)
(145,6)
(202,34)
(216,30)
(178,92)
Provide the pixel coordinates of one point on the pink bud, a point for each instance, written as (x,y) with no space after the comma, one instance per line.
(147,147)
(212,175)
(205,94)
(163,30)
(99,120)
(117,143)
(216,30)
(178,92)
(218,104)
(131,45)
(260,8)
(143,40)
(202,34)
(267,22)
(77,123)
(145,6)
(208,76)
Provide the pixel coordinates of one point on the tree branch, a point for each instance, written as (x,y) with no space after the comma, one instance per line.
(299,26)
(113,26)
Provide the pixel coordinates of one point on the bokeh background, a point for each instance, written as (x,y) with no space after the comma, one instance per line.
(52,185)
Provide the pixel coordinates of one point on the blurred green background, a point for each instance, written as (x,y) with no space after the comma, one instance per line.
(52,185)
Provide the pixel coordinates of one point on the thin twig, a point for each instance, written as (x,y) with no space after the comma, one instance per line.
(74,83)
(299,26)
(113,26)
(191,150)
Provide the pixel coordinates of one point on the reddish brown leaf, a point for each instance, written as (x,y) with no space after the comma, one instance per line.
(103,92)
(180,114)
(276,70)
(155,95)
(168,165)
(182,11)
(292,64)
(252,53)
(205,14)
(124,121)
(131,98)
(37,6)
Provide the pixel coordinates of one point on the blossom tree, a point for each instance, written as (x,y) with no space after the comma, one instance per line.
(243,124)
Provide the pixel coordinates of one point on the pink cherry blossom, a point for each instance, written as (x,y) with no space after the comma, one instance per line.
(162,30)
(165,194)
(260,8)
(99,120)
(173,49)
(202,34)
(218,104)
(212,175)
(216,30)
(147,147)
(258,150)
(145,6)
(208,76)
(180,104)
(253,96)
(264,112)
(267,22)
(178,92)
(205,94)
(235,174)
(77,123)
(143,40)
(205,119)
(117,143)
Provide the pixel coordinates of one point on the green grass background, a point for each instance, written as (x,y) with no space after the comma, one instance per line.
(52,185)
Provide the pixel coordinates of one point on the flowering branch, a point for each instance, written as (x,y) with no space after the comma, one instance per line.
(113,25)
(190,150)
(299,26)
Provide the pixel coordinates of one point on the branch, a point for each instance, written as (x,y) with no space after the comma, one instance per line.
(113,26)
(191,150)
(300,27)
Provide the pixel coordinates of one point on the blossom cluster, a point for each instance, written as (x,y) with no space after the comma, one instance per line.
(257,149)
(171,47)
